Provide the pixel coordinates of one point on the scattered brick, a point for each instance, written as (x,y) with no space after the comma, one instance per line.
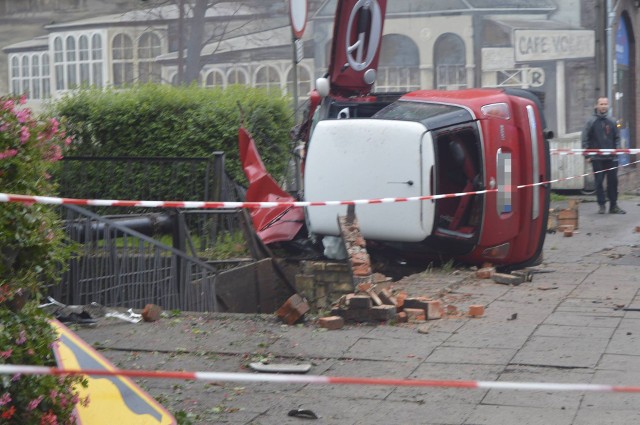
(417,302)
(383,312)
(434,310)
(485,272)
(151,313)
(401,317)
(363,286)
(507,279)
(386,296)
(415,314)
(476,310)
(359,301)
(400,297)
(293,309)
(331,322)
(452,310)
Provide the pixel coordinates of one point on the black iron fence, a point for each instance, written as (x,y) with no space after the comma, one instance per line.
(120,267)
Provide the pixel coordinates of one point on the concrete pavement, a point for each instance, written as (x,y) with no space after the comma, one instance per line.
(569,325)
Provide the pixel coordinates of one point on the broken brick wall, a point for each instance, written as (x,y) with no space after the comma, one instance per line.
(322,283)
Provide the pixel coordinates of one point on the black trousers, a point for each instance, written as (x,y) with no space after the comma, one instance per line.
(612,180)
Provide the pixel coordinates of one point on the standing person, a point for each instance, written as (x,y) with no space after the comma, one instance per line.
(601,132)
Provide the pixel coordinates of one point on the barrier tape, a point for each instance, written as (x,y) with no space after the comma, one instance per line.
(315,379)
(49,200)
(591,152)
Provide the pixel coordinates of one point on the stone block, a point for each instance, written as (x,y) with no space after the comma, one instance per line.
(331,322)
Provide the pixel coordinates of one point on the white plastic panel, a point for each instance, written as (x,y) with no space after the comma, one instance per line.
(358,159)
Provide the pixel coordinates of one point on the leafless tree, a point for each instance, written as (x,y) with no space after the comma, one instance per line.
(194,33)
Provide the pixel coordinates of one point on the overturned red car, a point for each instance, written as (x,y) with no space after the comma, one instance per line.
(487,146)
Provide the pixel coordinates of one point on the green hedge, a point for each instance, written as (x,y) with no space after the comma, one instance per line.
(162,120)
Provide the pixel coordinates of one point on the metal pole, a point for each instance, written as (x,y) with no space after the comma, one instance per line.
(294,94)
(611,15)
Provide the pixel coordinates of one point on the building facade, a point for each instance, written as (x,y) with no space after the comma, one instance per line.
(570,51)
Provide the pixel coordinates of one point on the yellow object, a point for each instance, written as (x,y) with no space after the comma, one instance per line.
(112,399)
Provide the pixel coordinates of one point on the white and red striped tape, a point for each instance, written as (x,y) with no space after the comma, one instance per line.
(28,199)
(591,152)
(315,379)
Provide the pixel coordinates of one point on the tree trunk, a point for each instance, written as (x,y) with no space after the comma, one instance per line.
(194,42)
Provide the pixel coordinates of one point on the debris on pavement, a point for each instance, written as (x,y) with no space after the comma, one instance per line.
(280,367)
(151,313)
(302,413)
(293,309)
(476,310)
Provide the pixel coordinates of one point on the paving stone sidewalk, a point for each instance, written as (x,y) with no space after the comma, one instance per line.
(576,322)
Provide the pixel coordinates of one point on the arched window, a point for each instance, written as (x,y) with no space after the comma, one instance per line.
(96,60)
(72,75)
(450,62)
(304,81)
(149,47)
(399,64)
(58,61)
(24,73)
(122,50)
(15,75)
(46,73)
(237,76)
(214,78)
(268,77)
(35,92)
(83,60)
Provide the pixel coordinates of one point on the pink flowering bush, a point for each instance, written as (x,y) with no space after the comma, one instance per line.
(27,338)
(31,249)
(32,253)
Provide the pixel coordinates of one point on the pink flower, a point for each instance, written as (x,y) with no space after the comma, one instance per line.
(9,153)
(68,141)
(24,134)
(23,99)
(6,354)
(53,394)
(34,403)
(49,418)
(4,127)
(5,399)
(55,125)
(22,338)
(23,115)
(55,153)
(16,377)
(9,104)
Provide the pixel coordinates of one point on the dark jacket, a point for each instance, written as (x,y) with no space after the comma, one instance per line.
(600,132)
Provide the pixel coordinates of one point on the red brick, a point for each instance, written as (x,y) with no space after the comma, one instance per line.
(363,286)
(415,314)
(485,272)
(383,312)
(417,302)
(293,309)
(387,297)
(400,300)
(359,302)
(476,310)
(401,317)
(151,313)
(331,322)
(434,310)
